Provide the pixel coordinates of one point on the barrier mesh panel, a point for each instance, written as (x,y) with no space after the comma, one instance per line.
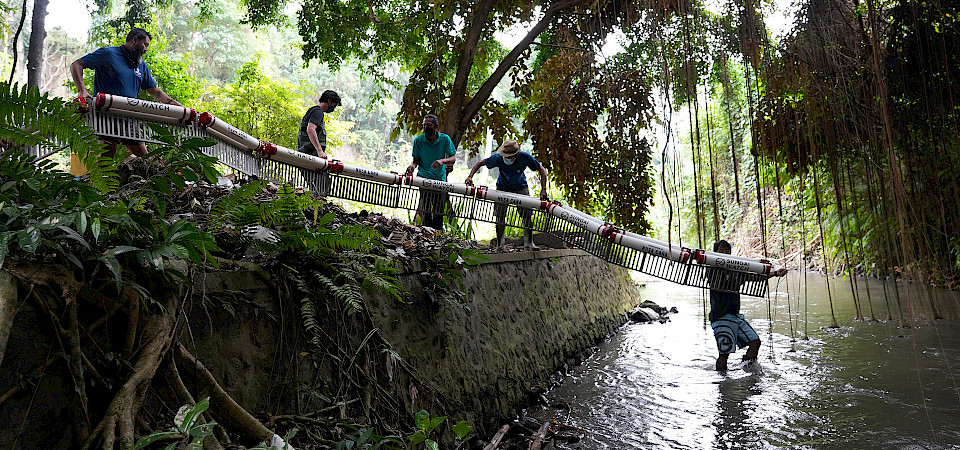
(456,206)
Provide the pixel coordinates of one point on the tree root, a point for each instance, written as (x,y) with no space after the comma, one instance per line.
(8,309)
(117,426)
(185,398)
(225,409)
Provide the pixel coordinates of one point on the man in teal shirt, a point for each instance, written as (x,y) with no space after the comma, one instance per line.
(433,152)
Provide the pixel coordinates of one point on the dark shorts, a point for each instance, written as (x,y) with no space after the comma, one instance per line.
(434,202)
(732,332)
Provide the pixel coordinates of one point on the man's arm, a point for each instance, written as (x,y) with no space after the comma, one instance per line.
(543,183)
(413,166)
(315,140)
(76,71)
(161,96)
(449,160)
(469,180)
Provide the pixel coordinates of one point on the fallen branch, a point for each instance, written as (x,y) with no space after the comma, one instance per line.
(185,398)
(495,442)
(538,438)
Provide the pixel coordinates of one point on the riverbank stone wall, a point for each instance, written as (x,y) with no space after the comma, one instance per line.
(524,316)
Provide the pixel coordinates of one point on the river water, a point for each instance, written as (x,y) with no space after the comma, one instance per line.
(862,385)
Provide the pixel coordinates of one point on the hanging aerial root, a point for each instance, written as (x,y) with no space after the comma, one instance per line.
(225,409)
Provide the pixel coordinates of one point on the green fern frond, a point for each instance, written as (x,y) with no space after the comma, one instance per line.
(236,207)
(30,119)
(346,293)
(310,324)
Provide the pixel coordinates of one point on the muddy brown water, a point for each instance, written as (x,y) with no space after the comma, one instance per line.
(869,384)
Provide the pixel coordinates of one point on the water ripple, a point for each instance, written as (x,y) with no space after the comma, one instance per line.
(653,386)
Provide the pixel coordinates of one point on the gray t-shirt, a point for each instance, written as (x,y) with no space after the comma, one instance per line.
(314,115)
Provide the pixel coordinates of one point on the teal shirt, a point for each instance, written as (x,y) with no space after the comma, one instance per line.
(427,153)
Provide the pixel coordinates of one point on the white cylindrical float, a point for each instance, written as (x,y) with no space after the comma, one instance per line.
(231,133)
(588,223)
(429,184)
(671,252)
(738,263)
(143,116)
(370,174)
(650,240)
(118,104)
(509,198)
(298,159)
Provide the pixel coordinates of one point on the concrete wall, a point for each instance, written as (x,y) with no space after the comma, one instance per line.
(524,315)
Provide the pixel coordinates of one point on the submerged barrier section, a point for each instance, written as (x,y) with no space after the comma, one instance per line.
(122,117)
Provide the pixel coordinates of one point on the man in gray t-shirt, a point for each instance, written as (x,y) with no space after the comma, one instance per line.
(312,138)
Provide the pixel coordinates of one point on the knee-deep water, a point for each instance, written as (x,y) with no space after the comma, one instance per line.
(862,385)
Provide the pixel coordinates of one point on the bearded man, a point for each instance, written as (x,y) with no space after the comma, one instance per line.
(120,71)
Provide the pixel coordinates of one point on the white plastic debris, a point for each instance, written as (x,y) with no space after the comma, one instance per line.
(277,443)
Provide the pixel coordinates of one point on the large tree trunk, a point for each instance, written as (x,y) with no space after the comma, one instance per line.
(37,34)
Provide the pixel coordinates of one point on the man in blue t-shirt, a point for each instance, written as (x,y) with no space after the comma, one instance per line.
(120,71)
(435,154)
(511,163)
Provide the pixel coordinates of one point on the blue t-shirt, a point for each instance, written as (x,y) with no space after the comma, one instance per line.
(427,153)
(511,175)
(112,75)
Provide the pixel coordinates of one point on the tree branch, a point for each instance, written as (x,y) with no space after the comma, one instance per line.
(224,407)
(471,109)
(468,52)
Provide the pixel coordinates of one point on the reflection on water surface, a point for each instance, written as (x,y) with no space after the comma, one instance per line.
(862,385)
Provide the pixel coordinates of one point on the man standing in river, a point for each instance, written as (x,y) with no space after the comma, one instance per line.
(730,328)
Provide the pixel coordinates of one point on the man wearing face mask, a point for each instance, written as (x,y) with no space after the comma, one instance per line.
(512,163)
(120,71)
(312,139)
(433,152)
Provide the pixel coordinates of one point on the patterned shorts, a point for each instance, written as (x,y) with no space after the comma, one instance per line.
(732,332)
